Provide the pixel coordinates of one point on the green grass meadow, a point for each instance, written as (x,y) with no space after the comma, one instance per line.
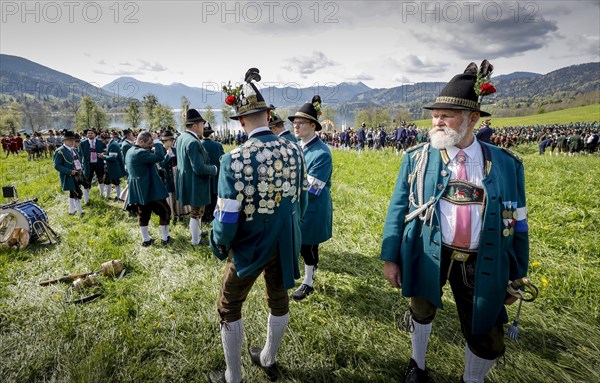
(159,323)
(587,113)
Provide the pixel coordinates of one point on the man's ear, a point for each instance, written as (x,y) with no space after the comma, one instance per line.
(474,118)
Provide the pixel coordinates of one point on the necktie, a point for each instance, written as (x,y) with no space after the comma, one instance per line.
(462,229)
(93,156)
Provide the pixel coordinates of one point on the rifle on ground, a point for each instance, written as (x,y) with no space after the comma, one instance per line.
(67,278)
(110,268)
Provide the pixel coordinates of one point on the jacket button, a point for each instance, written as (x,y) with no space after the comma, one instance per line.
(440,186)
(444,173)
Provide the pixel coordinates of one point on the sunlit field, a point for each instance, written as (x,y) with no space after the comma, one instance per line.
(159,322)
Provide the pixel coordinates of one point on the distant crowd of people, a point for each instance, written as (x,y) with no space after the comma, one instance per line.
(579,137)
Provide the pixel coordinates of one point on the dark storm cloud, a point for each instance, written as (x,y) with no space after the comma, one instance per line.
(500,31)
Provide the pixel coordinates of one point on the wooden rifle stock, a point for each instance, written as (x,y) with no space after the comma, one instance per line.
(66,278)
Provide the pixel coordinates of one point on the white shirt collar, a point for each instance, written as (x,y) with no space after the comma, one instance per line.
(471,151)
(258,130)
(189,131)
(303,145)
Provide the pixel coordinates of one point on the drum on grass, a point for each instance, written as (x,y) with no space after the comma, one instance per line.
(21,217)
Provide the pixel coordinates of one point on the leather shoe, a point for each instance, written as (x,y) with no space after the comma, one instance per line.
(168,241)
(413,374)
(302,292)
(272,371)
(148,242)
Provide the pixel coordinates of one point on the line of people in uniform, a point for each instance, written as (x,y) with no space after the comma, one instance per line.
(453,217)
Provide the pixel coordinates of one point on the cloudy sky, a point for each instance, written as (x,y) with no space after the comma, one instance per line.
(381,43)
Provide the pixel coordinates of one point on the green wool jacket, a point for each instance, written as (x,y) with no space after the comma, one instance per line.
(115,162)
(193,171)
(215,152)
(318,220)
(125,146)
(144,182)
(289,136)
(85,152)
(417,249)
(64,164)
(252,238)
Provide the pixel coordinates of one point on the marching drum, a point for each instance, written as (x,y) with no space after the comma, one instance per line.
(21,222)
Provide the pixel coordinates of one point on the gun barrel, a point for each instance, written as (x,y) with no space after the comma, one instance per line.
(66,278)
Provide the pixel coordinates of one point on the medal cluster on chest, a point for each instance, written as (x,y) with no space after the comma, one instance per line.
(266,172)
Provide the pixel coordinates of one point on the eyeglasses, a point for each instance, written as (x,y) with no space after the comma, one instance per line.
(301,123)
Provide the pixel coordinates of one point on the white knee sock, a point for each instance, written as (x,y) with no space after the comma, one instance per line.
(86,195)
(309,275)
(275,329)
(195,230)
(476,368)
(420,339)
(145,234)
(108,188)
(71,205)
(78,206)
(118,191)
(164,231)
(101,187)
(232,335)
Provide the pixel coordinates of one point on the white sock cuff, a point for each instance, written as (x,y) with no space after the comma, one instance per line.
(232,336)
(164,231)
(419,341)
(145,234)
(476,368)
(309,275)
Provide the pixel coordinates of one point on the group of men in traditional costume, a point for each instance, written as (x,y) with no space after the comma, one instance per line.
(458,213)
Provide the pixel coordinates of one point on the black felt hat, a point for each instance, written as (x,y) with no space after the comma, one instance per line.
(208,130)
(192,117)
(248,99)
(167,135)
(274,119)
(310,111)
(464,91)
(69,135)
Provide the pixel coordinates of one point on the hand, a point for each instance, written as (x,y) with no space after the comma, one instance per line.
(510,299)
(393,274)
(100,155)
(74,172)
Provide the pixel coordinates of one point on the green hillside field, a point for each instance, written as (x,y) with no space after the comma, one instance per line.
(588,113)
(159,323)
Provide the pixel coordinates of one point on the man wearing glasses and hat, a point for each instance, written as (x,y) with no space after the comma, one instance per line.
(458,214)
(256,228)
(193,172)
(318,220)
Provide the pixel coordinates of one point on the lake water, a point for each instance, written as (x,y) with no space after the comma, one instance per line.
(117,120)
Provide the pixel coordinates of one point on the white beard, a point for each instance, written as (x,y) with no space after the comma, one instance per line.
(449,137)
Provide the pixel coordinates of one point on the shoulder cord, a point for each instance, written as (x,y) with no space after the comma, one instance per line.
(424,211)
(65,158)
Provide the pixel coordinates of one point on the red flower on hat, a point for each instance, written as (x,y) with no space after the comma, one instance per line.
(230,100)
(486,89)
